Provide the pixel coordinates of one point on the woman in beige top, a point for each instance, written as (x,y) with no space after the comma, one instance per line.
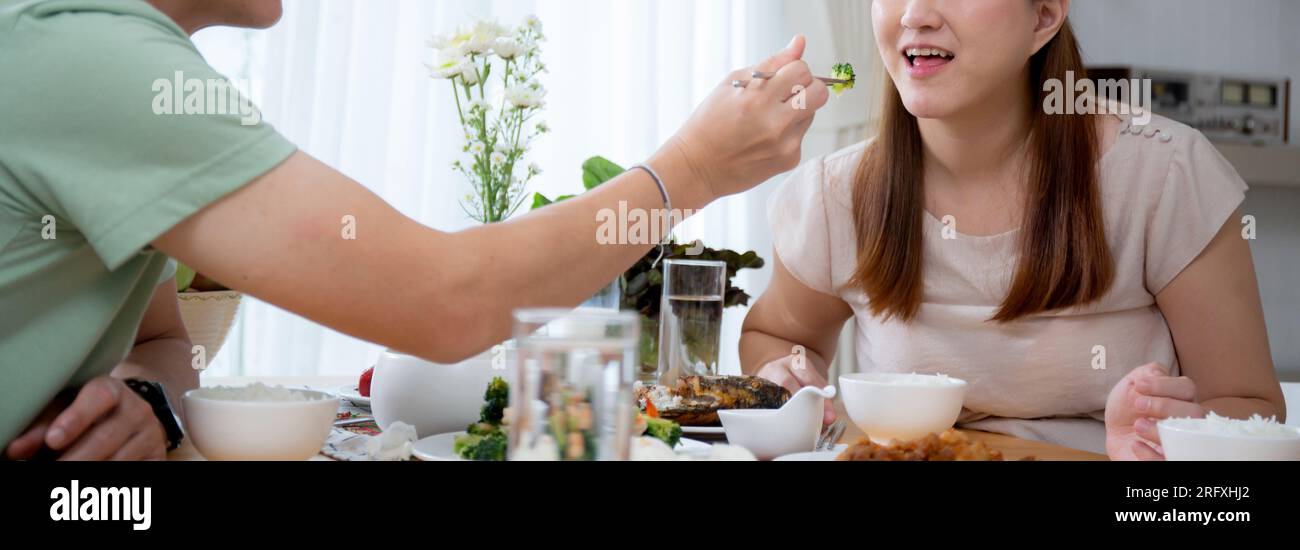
(1086,275)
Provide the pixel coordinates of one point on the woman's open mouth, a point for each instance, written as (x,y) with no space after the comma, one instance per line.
(926,61)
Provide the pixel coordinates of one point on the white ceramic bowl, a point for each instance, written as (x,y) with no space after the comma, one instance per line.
(892,406)
(1184,439)
(434,398)
(223,429)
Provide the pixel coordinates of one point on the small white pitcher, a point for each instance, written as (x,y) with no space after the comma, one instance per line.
(769,433)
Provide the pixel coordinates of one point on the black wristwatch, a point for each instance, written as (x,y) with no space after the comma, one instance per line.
(153,394)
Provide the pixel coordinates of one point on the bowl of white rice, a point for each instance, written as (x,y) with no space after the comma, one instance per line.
(258,422)
(1219,438)
(901,406)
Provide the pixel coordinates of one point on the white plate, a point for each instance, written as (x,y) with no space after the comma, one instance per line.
(691,446)
(820,456)
(703,430)
(352,394)
(438,448)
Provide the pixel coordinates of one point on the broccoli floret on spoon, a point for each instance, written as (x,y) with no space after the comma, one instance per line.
(843,71)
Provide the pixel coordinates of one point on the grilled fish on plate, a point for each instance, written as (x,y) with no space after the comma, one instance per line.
(696,400)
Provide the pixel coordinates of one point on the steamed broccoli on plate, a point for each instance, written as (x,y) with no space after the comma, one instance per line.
(495,401)
(843,71)
(490,446)
(486,439)
(664,430)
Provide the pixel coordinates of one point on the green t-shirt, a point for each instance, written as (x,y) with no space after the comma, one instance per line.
(95,165)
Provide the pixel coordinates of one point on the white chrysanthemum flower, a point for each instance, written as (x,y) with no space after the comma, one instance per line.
(525,97)
(449,64)
(477,147)
(483,36)
(533,23)
(491,28)
(451,44)
(443,42)
(469,72)
(534,169)
(479,105)
(508,48)
(478,45)
(498,158)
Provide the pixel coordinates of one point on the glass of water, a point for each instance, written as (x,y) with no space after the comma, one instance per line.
(609,297)
(571,396)
(690,318)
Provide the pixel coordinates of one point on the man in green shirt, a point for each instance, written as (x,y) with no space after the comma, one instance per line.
(98,187)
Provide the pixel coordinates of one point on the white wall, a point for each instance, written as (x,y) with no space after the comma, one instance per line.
(1246,37)
(1277,265)
(1236,37)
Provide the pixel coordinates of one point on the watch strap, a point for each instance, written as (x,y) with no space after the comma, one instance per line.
(153,394)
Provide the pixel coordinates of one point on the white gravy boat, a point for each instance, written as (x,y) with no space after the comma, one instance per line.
(769,433)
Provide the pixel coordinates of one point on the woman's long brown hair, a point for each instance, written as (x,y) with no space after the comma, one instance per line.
(1064,260)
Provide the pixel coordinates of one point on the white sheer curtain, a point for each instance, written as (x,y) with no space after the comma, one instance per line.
(344,80)
(848,26)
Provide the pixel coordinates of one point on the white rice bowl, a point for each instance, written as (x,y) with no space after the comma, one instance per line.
(257,392)
(258,422)
(1219,438)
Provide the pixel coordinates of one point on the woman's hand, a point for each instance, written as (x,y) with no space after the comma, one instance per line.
(106,421)
(1136,403)
(740,137)
(793,372)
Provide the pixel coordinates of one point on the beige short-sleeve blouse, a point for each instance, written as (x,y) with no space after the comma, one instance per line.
(1166,192)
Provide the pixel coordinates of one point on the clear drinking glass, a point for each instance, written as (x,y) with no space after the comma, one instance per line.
(690,318)
(606,298)
(571,396)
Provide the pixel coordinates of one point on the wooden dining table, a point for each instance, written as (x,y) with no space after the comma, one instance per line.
(1012,448)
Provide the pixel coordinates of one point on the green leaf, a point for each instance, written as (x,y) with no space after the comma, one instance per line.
(184,277)
(598,170)
(540,200)
(638,284)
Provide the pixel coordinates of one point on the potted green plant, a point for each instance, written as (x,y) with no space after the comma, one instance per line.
(641,286)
